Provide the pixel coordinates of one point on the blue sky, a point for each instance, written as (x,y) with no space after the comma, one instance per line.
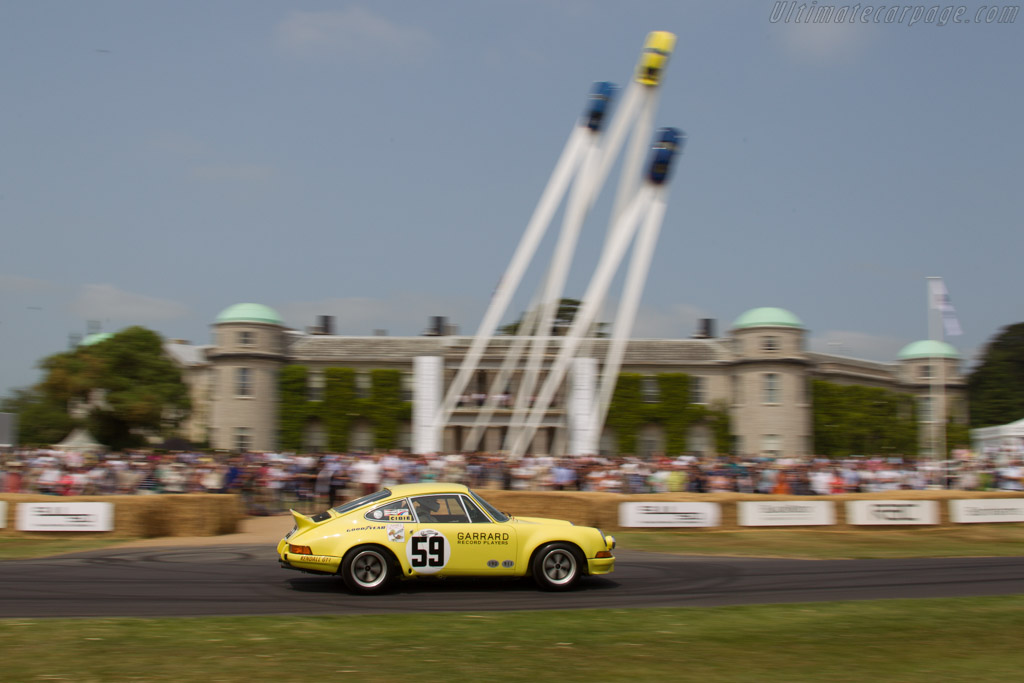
(379,161)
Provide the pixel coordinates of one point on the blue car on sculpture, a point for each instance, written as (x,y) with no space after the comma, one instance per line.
(597,106)
(667,141)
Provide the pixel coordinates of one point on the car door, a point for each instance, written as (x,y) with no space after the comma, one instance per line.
(453,536)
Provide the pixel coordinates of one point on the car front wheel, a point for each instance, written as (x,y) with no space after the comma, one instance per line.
(367,569)
(556,567)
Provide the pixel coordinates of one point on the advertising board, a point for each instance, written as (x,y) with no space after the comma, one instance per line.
(61,516)
(987,510)
(892,512)
(669,514)
(787,513)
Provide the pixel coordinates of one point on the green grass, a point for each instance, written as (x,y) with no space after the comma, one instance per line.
(989,540)
(26,548)
(963,639)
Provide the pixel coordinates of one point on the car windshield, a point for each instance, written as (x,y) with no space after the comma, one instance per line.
(360,502)
(497,514)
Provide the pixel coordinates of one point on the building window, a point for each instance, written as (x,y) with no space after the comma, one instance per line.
(246,338)
(737,390)
(770,388)
(649,389)
(771,445)
(924,408)
(770,343)
(243,381)
(698,390)
(315,383)
(925,372)
(407,386)
(363,384)
(243,438)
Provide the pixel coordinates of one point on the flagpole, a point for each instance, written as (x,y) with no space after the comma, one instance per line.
(936,393)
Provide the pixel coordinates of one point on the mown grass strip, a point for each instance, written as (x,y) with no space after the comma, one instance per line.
(1004,540)
(989,540)
(962,639)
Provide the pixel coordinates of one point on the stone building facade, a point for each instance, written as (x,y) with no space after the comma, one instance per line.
(760,372)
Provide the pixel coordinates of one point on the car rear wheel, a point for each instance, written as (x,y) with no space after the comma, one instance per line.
(557,566)
(367,569)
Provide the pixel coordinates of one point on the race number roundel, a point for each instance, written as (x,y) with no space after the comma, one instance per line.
(428,551)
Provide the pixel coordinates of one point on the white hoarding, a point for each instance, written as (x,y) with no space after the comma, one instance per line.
(668,514)
(889,512)
(582,389)
(427,372)
(3,514)
(60,516)
(988,510)
(787,513)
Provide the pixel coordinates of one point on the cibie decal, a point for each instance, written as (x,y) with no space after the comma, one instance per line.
(396,533)
(428,551)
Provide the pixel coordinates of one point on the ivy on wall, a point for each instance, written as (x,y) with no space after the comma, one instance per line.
(294,408)
(858,420)
(386,411)
(340,406)
(629,412)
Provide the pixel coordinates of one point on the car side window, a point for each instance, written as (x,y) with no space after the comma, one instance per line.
(476,515)
(442,508)
(393,511)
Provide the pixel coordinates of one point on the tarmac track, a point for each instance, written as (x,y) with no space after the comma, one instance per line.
(246,580)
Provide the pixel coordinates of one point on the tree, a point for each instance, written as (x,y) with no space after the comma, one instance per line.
(127,384)
(560,324)
(995,388)
(42,421)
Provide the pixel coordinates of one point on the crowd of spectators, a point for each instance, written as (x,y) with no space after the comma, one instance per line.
(272,482)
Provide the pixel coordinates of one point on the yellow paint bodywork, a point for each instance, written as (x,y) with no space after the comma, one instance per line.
(657,49)
(421,548)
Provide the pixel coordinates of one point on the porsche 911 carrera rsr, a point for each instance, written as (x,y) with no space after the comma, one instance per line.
(438,529)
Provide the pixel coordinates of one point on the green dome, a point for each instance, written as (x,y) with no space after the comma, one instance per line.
(95,338)
(249,313)
(928,348)
(767,317)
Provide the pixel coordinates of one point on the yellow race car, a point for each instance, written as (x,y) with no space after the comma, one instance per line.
(437,529)
(657,48)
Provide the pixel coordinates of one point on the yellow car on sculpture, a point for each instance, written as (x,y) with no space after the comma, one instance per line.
(437,529)
(657,48)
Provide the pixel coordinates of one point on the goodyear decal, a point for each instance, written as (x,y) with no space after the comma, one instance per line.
(482,538)
(371,527)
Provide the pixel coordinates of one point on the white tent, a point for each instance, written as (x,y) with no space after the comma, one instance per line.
(79,440)
(1002,439)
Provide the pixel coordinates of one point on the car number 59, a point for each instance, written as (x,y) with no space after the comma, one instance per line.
(428,551)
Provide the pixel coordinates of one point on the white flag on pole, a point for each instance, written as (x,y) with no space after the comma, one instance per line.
(940,302)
